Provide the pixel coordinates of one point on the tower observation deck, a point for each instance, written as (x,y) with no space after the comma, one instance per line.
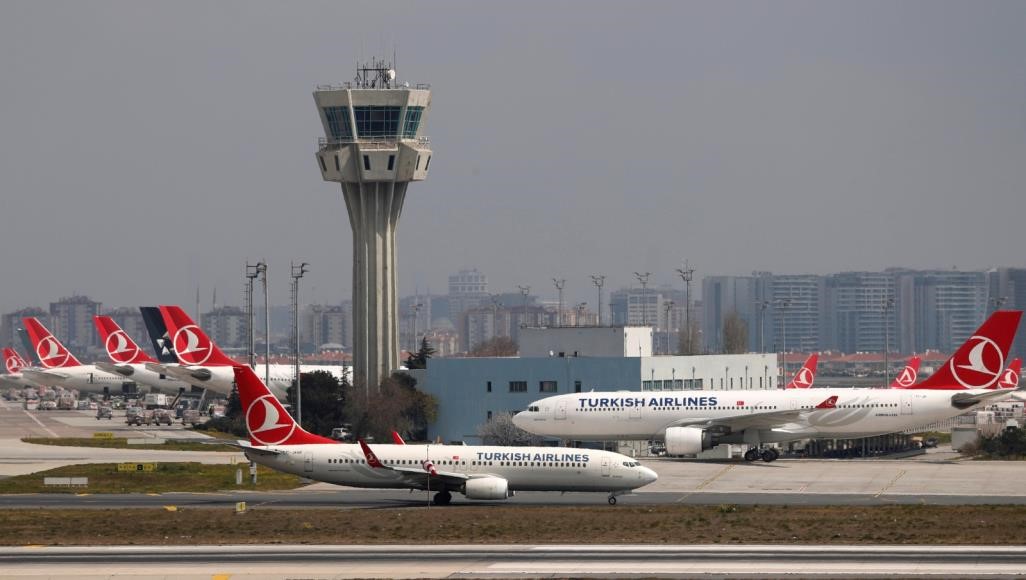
(374,148)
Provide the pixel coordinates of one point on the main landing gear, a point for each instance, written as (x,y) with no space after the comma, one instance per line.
(443,498)
(768,454)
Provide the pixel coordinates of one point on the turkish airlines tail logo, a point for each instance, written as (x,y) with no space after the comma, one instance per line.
(267,420)
(50,352)
(12,361)
(191,344)
(908,375)
(120,347)
(806,375)
(979,362)
(1010,378)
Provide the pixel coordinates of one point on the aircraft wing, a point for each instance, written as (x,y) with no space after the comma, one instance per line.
(123,370)
(246,448)
(785,420)
(48,378)
(188,374)
(417,477)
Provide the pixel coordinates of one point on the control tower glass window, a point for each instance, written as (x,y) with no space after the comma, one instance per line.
(412,122)
(338,122)
(377,121)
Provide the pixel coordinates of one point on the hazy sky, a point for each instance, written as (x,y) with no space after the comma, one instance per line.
(147,148)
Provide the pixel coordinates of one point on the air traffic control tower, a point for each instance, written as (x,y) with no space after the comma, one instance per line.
(374,148)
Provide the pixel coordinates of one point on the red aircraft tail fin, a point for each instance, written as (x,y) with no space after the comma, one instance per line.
(979,362)
(267,420)
(908,375)
(120,347)
(397,438)
(191,344)
(13,361)
(828,403)
(50,352)
(1010,378)
(806,375)
(372,459)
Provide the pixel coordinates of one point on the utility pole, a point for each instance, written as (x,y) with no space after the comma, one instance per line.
(643,280)
(598,280)
(885,308)
(686,274)
(262,270)
(251,275)
(560,284)
(297,273)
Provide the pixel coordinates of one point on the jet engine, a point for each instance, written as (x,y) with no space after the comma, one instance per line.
(686,441)
(486,488)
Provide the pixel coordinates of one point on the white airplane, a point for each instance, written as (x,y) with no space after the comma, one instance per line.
(60,367)
(204,364)
(806,375)
(690,422)
(14,364)
(128,360)
(478,472)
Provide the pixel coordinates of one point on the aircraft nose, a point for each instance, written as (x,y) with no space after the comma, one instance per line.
(648,476)
(518,419)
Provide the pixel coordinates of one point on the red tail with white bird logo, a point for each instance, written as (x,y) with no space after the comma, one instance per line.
(191,344)
(13,361)
(806,375)
(120,347)
(267,420)
(50,352)
(978,364)
(908,375)
(1010,378)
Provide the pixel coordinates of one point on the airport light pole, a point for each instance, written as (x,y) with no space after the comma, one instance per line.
(643,280)
(297,273)
(262,270)
(762,305)
(524,291)
(416,314)
(686,274)
(598,280)
(560,284)
(885,307)
(782,304)
(580,313)
(251,275)
(669,308)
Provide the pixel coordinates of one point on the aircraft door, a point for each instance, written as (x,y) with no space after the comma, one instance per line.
(635,414)
(793,404)
(906,404)
(561,411)
(308,463)
(605,467)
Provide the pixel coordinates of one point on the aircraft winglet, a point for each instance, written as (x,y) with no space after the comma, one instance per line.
(372,459)
(829,403)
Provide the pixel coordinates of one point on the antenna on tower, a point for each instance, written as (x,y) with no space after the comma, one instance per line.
(377,74)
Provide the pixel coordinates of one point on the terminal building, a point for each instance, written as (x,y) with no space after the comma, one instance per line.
(552,361)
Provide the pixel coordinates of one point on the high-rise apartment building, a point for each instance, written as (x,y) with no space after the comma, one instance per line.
(11,323)
(860,312)
(71,320)
(939,309)
(320,325)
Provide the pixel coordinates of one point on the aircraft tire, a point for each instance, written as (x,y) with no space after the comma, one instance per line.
(612,500)
(768,455)
(443,498)
(752,455)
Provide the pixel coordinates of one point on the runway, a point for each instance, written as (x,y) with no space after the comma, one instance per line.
(346,498)
(484,561)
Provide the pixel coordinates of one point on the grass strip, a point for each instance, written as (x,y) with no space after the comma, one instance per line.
(167,477)
(496,523)
(122,443)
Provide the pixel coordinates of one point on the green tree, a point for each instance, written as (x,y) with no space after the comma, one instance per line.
(234,420)
(396,405)
(324,398)
(418,360)
(735,334)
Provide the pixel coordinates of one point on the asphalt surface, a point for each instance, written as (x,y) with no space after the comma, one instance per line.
(752,561)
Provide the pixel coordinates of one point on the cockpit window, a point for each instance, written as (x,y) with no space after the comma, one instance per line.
(532,409)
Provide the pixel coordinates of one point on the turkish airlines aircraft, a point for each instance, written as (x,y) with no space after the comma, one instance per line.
(60,367)
(806,375)
(128,360)
(478,472)
(201,360)
(691,421)
(908,375)
(14,363)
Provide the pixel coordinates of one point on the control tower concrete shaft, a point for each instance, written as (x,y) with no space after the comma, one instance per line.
(374,148)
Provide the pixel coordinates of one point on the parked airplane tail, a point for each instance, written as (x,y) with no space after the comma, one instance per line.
(50,352)
(159,336)
(120,347)
(1010,378)
(266,419)
(191,344)
(908,375)
(13,361)
(979,362)
(806,375)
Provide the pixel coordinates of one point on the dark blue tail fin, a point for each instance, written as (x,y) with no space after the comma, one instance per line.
(163,346)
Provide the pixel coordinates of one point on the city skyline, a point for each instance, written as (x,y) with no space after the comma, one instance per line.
(793,137)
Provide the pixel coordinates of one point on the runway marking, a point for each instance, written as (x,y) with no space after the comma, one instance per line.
(40,423)
(721,473)
(892,482)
